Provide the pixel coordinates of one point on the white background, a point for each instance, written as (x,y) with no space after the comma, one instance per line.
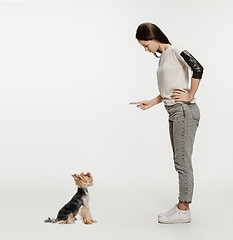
(68,70)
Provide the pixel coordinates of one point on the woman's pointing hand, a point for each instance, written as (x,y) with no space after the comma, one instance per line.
(145,104)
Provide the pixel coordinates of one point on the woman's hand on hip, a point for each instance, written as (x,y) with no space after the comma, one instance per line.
(144,104)
(181,96)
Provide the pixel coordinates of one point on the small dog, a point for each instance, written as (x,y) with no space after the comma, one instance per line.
(79,204)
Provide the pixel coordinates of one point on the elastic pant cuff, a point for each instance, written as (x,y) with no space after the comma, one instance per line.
(184,202)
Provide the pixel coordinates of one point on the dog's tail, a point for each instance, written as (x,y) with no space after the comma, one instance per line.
(50,220)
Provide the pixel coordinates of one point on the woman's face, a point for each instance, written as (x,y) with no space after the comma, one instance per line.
(150,45)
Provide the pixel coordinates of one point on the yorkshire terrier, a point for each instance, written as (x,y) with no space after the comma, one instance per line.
(79,203)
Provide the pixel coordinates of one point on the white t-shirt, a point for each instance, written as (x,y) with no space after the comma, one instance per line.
(172,72)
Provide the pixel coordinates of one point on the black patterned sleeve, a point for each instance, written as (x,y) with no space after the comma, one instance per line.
(187,58)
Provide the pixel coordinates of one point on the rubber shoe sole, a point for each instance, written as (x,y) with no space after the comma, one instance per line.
(173,222)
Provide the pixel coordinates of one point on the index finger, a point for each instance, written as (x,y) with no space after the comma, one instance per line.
(135,103)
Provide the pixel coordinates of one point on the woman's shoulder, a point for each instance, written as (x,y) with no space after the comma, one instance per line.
(177,48)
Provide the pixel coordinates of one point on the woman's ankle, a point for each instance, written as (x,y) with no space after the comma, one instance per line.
(183,206)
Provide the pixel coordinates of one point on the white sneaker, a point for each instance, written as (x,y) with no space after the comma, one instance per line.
(175,215)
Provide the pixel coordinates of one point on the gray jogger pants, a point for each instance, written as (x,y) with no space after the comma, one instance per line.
(183,122)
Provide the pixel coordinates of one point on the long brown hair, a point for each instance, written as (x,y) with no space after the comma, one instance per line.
(149,31)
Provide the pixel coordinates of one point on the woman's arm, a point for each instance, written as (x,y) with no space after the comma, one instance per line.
(145,104)
(186,57)
(197,69)
(194,86)
(156,100)
(192,63)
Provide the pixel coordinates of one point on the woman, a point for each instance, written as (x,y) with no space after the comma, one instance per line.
(179,101)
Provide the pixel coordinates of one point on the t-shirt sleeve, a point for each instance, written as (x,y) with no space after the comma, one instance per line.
(187,58)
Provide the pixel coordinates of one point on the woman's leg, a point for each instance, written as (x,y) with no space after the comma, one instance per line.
(183,127)
(181,206)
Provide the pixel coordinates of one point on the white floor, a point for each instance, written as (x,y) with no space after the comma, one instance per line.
(122,213)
